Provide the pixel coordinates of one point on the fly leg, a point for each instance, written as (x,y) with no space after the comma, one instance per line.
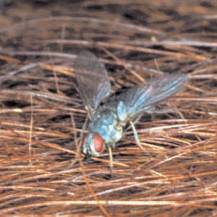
(110,158)
(136,136)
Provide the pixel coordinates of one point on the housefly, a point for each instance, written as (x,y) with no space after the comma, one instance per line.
(108,120)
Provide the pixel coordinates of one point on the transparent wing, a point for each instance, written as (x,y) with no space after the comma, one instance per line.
(143,98)
(92,78)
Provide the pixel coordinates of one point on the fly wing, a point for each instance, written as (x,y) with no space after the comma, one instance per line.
(93,81)
(143,98)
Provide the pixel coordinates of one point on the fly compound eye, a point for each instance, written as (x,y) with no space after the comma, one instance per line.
(98,142)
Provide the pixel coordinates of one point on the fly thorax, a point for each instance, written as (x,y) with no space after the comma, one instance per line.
(107,124)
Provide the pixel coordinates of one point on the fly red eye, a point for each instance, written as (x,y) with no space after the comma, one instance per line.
(98,142)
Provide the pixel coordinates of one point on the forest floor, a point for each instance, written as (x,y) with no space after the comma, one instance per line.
(42,115)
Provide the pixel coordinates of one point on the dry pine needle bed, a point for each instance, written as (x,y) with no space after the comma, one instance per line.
(42,115)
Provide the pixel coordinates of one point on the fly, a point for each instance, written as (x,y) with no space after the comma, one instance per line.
(107,121)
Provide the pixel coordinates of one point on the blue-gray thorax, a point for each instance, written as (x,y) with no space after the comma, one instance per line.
(106,122)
